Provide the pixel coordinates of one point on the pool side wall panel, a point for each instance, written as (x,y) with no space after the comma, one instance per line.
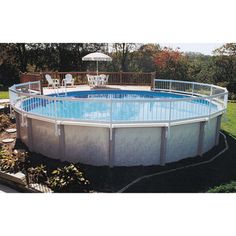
(209,134)
(182,142)
(137,146)
(44,139)
(88,145)
(131,146)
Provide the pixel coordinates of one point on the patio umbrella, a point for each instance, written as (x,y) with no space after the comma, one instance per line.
(96,56)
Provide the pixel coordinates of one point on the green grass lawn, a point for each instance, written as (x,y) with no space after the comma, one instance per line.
(4,94)
(229,120)
(228,125)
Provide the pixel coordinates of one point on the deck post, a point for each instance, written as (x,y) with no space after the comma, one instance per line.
(163,148)
(120,77)
(217,134)
(201,138)
(153,76)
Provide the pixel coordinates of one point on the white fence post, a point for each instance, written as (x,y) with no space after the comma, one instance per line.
(57,129)
(110,119)
(225,100)
(210,103)
(23,116)
(211,91)
(170,107)
(192,88)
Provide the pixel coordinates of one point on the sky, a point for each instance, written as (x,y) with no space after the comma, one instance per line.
(204,48)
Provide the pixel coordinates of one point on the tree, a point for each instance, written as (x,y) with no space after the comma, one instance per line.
(143,58)
(201,68)
(228,49)
(42,57)
(225,63)
(9,69)
(22,56)
(121,55)
(171,64)
(61,56)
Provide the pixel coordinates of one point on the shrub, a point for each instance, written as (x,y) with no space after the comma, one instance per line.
(9,163)
(38,174)
(68,179)
(232,96)
(12,162)
(224,188)
(4,121)
(21,154)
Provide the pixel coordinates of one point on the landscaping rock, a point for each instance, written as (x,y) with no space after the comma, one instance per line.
(10,130)
(8,140)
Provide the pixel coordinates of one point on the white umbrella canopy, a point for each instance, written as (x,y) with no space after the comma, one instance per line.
(96,56)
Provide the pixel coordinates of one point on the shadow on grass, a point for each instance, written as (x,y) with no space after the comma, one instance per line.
(190,180)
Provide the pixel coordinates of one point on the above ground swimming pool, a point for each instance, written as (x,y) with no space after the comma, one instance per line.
(176,120)
(126,106)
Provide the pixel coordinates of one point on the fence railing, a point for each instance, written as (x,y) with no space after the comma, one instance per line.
(117,78)
(194,89)
(202,101)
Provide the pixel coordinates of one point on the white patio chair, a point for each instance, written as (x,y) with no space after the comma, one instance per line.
(52,82)
(104,79)
(68,80)
(91,80)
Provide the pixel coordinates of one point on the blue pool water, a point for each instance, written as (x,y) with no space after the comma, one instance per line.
(120,94)
(126,106)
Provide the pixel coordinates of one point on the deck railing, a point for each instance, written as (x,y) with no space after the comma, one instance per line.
(117,78)
(25,99)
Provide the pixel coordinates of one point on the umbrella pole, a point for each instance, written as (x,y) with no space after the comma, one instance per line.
(97,67)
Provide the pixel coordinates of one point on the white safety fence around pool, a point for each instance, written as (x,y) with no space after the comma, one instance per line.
(27,100)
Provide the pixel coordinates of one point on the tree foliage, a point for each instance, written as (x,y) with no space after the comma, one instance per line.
(144,58)
(228,49)
(225,67)
(171,64)
(168,63)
